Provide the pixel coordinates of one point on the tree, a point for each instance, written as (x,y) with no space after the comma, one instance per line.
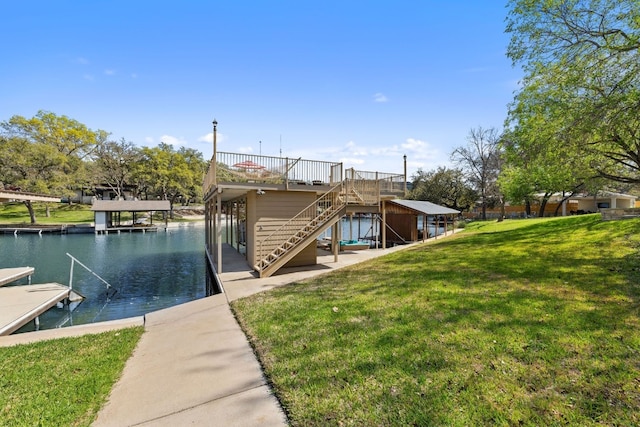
(32,167)
(540,151)
(480,161)
(443,186)
(171,174)
(116,163)
(67,144)
(196,166)
(584,57)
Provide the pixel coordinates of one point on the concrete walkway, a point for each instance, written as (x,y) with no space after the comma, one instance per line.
(194,365)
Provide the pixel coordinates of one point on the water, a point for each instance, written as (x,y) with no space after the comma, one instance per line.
(363,229)
(150,271)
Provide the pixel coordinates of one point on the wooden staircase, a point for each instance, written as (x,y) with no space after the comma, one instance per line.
(292,237)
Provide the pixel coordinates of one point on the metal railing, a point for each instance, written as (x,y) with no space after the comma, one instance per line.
(392,183)
(74,260)
(249,168)
(297,228)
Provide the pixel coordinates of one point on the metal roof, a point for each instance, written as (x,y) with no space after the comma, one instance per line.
(424,207)
(130,205)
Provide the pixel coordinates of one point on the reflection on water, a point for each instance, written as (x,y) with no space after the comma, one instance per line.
(150,271)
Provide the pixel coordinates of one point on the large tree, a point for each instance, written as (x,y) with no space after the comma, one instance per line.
(46,154)
(443,186)
(583,58)
(169,174)
(480,160)
(541,152)
(116,163)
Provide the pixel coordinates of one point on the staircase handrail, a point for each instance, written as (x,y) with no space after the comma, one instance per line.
(303,214)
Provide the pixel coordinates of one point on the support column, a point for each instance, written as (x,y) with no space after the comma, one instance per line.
(384,225)
(335,241)
(219,231)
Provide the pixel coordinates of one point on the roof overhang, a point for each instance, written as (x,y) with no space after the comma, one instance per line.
(422,207)
(6,196)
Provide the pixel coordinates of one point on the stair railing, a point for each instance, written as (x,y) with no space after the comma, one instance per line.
(301,224)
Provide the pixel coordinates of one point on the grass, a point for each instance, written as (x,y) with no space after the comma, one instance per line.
(60,213)
(529,322)
(63,381)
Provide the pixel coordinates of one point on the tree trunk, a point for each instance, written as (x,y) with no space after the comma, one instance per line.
(32,214)
(48,212)
(543,205)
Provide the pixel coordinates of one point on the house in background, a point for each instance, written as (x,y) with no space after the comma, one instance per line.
(101,192)
(577,204)
(601,200)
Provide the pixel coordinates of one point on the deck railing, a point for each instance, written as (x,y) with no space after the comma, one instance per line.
(249,168)
(386,183)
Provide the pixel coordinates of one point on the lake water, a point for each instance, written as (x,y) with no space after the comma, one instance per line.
(364,228)
(150,271)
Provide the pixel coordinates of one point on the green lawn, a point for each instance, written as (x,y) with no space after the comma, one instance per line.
(60,213)
(523,322)
(62,382)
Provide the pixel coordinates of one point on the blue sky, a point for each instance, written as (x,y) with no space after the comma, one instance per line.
(362,82)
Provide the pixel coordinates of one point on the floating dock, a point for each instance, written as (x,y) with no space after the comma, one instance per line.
(8,275)
(21,304)
(60,229)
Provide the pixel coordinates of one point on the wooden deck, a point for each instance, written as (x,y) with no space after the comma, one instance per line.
(21,304)
(8,275)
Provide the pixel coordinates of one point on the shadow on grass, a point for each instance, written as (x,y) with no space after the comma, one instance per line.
(536,325)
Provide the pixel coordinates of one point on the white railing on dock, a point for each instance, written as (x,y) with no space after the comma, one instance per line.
(74,260)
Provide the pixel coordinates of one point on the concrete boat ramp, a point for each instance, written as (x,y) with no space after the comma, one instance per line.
(20,305)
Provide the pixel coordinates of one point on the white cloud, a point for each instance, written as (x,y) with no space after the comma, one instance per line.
(88,77)
(109,72)
(81,61)
(380,97)
(351,161)
(172,140)
(134,75)
(208,138)
(414,144)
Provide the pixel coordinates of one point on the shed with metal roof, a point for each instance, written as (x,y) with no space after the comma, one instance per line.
(414,220)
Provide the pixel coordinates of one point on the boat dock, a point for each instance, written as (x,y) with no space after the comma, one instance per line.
(20,305)
(8,275)
(59,229)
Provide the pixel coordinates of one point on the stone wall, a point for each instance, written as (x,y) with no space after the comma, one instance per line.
(619,213)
